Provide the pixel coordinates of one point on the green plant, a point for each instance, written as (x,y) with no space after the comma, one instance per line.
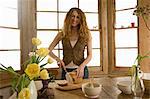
(32,70)
(136,65)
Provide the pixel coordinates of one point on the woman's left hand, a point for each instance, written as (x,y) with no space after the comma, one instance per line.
(80,71)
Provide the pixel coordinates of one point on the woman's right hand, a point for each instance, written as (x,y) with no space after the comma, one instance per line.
(61,63)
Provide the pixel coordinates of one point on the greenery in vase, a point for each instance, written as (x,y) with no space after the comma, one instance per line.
(32,70)
(136,66)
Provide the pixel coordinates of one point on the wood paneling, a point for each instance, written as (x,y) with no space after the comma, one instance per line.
(144,39)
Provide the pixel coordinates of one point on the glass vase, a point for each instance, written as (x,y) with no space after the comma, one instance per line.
(33,90)
(137,85)
(46,92)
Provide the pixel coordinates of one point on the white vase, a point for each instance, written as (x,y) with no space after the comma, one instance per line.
(33,90)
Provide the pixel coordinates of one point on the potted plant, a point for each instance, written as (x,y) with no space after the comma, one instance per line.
(23,83)
(137,85)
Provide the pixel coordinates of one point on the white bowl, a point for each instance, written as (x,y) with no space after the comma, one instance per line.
(125,86)
(91,91)
(146,81)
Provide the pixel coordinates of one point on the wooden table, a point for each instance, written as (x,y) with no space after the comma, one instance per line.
(109,90)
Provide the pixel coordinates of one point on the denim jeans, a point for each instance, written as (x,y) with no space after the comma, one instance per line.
(86,72)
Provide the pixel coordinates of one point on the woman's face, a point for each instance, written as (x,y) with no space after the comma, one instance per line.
(75,19)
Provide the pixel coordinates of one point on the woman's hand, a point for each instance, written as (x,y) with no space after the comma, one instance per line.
(80,71)
(61,63)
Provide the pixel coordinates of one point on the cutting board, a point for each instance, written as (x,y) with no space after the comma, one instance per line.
(71,86)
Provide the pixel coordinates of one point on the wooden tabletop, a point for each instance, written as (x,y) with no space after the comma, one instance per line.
(109,90)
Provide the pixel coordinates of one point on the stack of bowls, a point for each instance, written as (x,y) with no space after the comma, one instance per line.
(125,87)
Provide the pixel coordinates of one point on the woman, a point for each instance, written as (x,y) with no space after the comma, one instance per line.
(75,37)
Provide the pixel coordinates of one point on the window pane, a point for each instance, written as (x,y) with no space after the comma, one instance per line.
(46,5)
(124,4)
(9,3)
(125,18)
(95,61)
(84,5)
(126,38)
(8,17)
(46,37)
(65,5)
(95,39)
(61,19)
(9,39)
(10,58)
(92,20)
(125,57)
(53,65)
(61,54)
(46,20)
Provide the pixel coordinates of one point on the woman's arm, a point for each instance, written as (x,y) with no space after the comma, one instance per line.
(80,70)
(52,46)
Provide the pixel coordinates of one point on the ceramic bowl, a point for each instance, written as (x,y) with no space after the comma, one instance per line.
(125,86)
(91,91)
(146,81)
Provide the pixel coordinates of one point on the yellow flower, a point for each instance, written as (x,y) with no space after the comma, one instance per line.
(50,60)
(24,94)
(32,70)
(36,41)
(44,74)
(42,52)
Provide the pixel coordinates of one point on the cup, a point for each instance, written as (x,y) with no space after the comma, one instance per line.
(132,24)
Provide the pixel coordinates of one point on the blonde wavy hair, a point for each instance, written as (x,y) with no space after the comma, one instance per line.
(83,30)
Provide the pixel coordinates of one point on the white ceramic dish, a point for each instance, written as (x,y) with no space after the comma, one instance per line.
(125,86)
(91,91)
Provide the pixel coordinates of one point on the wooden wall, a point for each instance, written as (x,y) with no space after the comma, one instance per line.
(144,39)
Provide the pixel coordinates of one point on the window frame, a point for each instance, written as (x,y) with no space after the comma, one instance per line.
(112,65)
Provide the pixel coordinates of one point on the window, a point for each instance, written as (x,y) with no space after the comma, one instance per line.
(126,33)
(50,17)
(9,34)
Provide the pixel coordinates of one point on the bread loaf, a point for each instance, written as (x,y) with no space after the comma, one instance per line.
(76,79)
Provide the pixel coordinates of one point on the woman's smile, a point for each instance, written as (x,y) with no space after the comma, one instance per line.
(75,19)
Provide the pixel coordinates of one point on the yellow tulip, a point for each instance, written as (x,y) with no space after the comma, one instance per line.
(42,52)
(32,70)
(44,74)
(50,60)
(36,41)
(24,94)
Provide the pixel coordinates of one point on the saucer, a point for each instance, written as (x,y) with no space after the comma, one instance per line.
(92,96)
